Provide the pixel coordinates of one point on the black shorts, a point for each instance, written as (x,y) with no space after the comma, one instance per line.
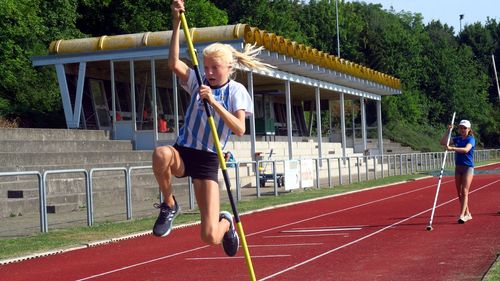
(199,164)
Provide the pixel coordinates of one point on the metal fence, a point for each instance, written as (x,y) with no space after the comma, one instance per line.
(350,169)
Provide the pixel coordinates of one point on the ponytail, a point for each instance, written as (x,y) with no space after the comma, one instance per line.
(246,58)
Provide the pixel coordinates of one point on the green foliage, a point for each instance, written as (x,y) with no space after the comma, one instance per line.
(421,137)
(202,13)
(279,16)
(320,19)
(440,72)
(112,17)
(26,28)
(410,106)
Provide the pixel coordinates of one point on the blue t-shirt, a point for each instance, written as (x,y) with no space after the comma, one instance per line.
(464,159)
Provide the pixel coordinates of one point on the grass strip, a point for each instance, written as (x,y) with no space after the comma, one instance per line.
(494,273)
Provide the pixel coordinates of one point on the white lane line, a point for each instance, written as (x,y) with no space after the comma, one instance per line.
(346,209)
(143,263)
(262,231)
(238,257)
(320,230)
(306,235)
(332,226)
(285,245)
(367,236)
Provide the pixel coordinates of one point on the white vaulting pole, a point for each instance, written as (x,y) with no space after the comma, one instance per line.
(496,76)
(429,227)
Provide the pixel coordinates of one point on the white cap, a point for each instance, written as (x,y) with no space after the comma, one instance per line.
(465,123)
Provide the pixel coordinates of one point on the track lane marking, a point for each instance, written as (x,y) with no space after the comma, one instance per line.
(259,232)
(143,263)
(306,235)
(345,209)
(285,245)
(368,236)
(238,257)
(320,230)
(333,226)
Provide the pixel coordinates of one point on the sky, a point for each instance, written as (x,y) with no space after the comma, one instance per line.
(446,11)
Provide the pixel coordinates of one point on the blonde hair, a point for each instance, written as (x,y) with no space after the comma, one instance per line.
(247,58)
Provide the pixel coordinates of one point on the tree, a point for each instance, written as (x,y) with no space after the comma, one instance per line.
(26,28)
(112,17)
(320,25)
(279,16)
(484,41)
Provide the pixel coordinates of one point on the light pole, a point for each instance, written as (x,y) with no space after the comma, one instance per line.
(337,20)
(461,18)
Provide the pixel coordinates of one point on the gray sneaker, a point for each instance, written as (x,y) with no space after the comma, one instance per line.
(230,241)
(163,224)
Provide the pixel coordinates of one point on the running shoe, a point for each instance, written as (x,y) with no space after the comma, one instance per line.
(468,217)
(462,219)
(230,241)
(163,224)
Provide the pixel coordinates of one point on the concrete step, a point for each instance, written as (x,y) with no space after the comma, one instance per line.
(87,166)
(69,158)
(58,203)
(35,146)
(139,189)
(101,195)
(391,146)
(23,134)
(65,198)
(142,192)
(21,193)
(62,208)
(75,183)
(400,150)
(18,207)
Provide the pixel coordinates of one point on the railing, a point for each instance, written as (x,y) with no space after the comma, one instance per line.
(43,197)
(41,193)
(374,166)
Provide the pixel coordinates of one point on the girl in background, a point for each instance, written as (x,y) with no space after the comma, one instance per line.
(463,146)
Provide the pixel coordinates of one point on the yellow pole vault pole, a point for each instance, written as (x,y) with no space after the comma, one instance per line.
(211,122)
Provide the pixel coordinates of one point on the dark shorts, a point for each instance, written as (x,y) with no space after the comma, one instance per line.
(199,164)
(463,170)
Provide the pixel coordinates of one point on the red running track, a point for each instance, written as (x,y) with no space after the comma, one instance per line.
(377,234)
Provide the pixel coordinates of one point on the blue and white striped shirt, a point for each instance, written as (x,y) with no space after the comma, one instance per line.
(196,133)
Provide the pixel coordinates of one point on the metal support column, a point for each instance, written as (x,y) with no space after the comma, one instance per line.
(252,118)
(379,128)
(289,118)
(342,125)
(318,123)
(363,123)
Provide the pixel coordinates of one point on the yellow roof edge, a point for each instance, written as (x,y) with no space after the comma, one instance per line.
(248,34)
